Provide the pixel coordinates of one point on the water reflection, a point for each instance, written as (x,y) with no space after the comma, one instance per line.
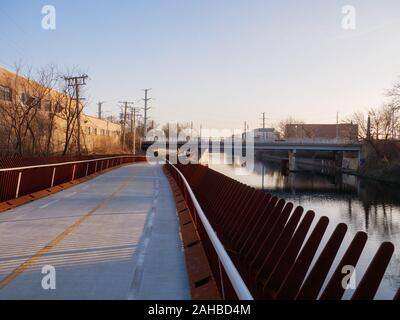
(364,205)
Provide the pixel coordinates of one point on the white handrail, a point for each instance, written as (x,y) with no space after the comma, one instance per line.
(62,163)
(238,284)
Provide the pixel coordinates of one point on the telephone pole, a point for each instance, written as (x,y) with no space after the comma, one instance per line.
(263,120)
(337,125)
(263,126)
(134,114)
(99,104)
(125,104)
(146,108)
(76,82)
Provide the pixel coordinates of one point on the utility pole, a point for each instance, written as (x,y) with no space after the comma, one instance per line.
(337,125)
(99,104)
(146,108)
(263,126)
(134,114)
(369,127)
(76,82)
(126,104)
(263,120)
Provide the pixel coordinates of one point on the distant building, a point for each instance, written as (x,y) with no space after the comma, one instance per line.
(342,131)
(264,134)
(97,135)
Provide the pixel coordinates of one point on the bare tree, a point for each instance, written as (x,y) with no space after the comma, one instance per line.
(394,94)
(286,127)
(376,127)
(68,113)
(21,115)
(179,127)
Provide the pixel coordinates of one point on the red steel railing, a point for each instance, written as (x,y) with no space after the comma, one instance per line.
(272,244)
(19,177)
(230,283)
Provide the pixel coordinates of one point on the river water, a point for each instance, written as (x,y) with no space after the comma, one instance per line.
(364,205)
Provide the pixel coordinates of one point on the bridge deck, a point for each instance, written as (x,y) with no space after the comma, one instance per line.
(114,237)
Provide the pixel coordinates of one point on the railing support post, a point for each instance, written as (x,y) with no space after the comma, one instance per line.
(73,173)
(18,184)
(52,178)
(238,284)
(87,169)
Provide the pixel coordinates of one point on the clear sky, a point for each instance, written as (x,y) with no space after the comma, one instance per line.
(216,62)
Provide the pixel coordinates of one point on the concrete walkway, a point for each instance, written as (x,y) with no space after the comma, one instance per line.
(113,237)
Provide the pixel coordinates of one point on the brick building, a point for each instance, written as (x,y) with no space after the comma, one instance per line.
(342,131)
(97,135)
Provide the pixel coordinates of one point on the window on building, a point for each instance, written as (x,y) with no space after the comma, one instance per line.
(88,130)
(58,108)
(47,105)
(5,93)
(30,101)
(95,131)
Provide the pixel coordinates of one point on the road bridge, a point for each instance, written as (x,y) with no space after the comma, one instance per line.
(113,237)
(292,147)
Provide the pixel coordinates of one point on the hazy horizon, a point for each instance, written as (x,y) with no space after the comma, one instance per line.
(216,64)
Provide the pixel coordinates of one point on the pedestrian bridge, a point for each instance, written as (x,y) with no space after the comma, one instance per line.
(119,228)
(113,237)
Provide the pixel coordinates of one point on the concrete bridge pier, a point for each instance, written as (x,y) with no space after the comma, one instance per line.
(338,158)
(292,160)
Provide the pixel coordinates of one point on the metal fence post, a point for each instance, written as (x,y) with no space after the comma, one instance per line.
(52,178)
(73,172)
(87,169)
(18,184)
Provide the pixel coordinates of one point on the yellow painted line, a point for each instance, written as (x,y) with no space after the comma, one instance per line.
(31,261)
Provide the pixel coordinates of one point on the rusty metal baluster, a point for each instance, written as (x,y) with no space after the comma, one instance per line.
(371,280)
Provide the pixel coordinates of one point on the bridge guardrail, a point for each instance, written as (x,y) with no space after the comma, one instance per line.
(27,179)
(274,245)
(224,270)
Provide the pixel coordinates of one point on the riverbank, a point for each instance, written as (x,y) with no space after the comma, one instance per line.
(373,169)
(389,173)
